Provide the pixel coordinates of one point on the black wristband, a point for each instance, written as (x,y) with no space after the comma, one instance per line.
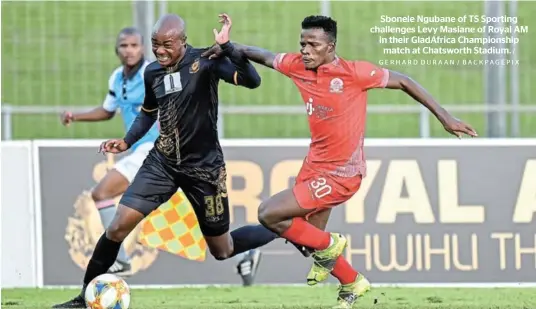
(227,47)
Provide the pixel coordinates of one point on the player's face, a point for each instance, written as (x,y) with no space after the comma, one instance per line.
(129,49)
(168,47)
(315,48)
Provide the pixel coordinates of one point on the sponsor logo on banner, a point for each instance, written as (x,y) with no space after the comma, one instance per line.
(85,228)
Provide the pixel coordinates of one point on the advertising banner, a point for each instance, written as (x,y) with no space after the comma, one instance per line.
(424,214)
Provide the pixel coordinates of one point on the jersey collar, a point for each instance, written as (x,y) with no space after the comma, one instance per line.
(326,67)
(135,69)
(336,61)
(174,67)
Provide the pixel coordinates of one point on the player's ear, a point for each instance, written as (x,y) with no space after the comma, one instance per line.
(331,47)
(116,51)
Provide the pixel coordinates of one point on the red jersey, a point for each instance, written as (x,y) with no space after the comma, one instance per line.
(335,99)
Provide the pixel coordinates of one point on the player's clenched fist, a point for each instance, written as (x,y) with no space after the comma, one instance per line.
(66,118)
(113,146)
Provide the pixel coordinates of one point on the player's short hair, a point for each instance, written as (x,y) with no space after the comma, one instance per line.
(129,31)
(321,22)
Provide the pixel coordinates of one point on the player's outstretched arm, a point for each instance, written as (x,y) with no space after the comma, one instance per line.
(96,114)
(369,76)
(147,116)
(257,54)
(402,82)
(235,69)
(104,112)
(452,125)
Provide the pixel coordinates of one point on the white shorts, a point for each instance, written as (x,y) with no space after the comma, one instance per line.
(129,165)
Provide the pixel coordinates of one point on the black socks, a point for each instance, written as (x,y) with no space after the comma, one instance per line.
(103,258)
(251,237)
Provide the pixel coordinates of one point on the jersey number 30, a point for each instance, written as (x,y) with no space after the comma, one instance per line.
(320,187)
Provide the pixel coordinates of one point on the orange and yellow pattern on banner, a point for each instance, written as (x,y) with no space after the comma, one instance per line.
(174,228)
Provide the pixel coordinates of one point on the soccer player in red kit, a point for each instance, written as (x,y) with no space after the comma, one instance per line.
(334,91)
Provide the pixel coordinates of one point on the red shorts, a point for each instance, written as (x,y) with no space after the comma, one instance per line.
(320,190)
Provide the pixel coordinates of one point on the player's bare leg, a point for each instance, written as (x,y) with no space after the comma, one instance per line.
(283,215)
(106,250)
(320,219)
(111,186)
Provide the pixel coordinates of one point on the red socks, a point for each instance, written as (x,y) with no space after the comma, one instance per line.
(303,233)
(343,271)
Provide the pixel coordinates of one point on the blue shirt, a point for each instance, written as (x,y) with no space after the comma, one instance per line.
(127,94)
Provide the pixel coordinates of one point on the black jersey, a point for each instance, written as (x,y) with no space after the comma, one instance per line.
(186,98)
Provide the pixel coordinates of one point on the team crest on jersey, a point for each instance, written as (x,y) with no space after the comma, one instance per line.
(195,67)
(336,85)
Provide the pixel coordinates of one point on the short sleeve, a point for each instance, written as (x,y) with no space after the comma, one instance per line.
(284,62)
(370,76)
(110,102)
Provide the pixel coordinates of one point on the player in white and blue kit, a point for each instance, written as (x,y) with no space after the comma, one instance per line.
(126,93)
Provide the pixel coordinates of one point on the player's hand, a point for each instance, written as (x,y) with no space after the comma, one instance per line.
(213,52)
(223,35)
(113,146)
(458,128)
(66,118)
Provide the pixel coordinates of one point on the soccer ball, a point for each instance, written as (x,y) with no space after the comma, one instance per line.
(107,292)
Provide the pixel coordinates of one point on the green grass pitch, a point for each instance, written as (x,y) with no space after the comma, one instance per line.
(60,53)
(258,297)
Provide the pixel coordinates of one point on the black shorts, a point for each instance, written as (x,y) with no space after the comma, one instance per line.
(158,179)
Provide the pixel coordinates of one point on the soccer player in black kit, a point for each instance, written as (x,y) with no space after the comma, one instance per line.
(181,90)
